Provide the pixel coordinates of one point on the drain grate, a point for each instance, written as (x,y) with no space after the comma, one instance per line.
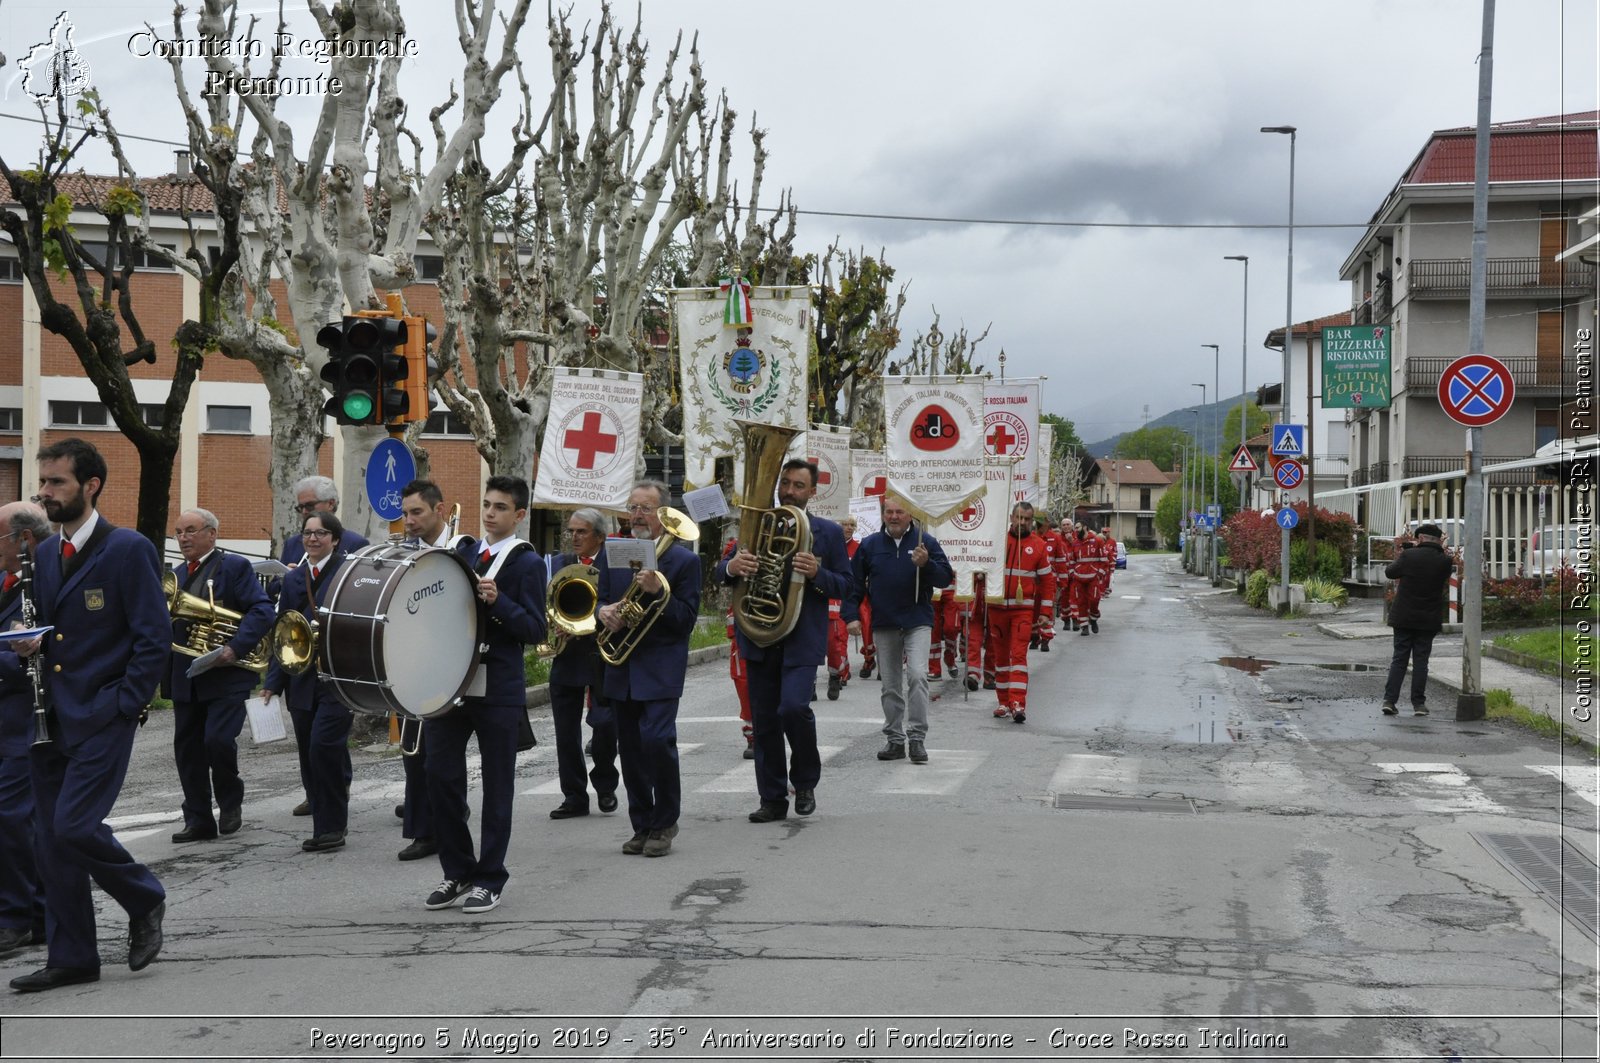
(1553,869)
(1086,802)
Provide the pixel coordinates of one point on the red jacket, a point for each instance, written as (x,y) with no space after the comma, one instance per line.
(1030,581)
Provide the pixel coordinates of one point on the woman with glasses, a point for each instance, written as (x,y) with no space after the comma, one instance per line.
(315,494)
(321,721)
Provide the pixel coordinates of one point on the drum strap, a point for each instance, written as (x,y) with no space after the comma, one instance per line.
(504,554)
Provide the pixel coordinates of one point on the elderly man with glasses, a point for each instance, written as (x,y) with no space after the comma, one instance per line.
(316,494)
(576,678)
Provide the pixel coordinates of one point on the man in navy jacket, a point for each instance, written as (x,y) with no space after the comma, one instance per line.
(511,586)
(23,525)
(577,674)
(896,570)
(315,494)
(644,689)
(100,589)
(783,676)
(208,710)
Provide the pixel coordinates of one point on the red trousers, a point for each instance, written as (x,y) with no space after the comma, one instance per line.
(1084,599)
(838,643)
(942,639)
(1013,627)
(741,682)
(869,652)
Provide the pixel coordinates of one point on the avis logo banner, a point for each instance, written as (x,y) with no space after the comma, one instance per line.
(935,445)
(591,439)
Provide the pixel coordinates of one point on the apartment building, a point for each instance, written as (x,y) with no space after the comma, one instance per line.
(1122,497)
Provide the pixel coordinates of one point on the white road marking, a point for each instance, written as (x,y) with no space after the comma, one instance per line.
(742,780)
(553,786)
(1132,597)
(1581,780)
(1080,773)
(1277,782)
(144,819)
(127,836)
(946,770)
(1169,599)
(1441,788)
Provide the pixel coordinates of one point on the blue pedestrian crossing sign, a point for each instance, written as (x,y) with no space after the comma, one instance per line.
(1289,440)
(1287,518)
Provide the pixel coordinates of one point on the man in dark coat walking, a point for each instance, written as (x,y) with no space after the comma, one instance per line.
(1417,613)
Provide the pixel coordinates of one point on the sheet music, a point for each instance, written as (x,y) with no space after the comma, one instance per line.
(622,553)
(205,663)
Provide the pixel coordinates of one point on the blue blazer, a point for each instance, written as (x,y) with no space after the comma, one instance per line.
(294,547)
(301,691)
(807,644)
(579,665)
(16,693)
(236,587)
(655,670)
(516,620)
(109,648)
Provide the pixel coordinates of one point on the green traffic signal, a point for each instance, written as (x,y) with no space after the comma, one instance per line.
(357,406)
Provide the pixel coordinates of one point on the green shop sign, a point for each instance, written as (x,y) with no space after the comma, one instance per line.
(1355,367)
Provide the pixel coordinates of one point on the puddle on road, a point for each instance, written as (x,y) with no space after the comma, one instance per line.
(1257,665)
(1249,665)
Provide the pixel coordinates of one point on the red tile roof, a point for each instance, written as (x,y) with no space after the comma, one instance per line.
(1340,317)
(1134,471)
(1552,148)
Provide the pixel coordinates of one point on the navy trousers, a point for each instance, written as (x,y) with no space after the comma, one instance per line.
(205,744)
(418,821)
(21,899)
(496,729)
(322,737)
(74,790)
(780,709)
(566,711)
(1418,646)
(647,738)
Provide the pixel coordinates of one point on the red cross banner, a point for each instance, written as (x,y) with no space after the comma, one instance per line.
(935,443)
(591,439)
(973,538)
(869,474)
(829,448)
(1011,432)
(751,371)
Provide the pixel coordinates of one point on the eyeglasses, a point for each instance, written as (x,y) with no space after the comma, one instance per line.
(316,533)
(643,509)
(307,507)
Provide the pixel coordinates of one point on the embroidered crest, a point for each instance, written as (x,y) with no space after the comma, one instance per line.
(742,364)
(94,599)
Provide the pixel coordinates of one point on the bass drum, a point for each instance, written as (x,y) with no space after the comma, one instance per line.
(401,631)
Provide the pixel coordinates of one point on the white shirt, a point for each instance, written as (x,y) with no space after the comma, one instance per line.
(80,538)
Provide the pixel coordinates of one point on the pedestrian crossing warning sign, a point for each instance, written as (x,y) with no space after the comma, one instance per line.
(1243,462)
(1289,440)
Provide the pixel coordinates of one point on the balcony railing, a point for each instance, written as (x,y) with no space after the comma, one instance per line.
(1375,473)
(1432,465)
(1506,276)
(1534,377)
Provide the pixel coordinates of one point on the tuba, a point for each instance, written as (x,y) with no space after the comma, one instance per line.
(294,641)
(572,598)
(766,606)
(639,616)
(210,627)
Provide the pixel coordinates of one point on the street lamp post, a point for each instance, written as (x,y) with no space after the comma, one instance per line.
(1288,334)
(1216,436)
(1196,488)
(1244,375)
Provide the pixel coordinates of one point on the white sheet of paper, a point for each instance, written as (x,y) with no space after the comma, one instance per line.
(622,553)
(25,634)
(270,567)
(703,503)
(205,663)
(266,719)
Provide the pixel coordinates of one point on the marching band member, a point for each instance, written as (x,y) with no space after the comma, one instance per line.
(1026,607)
(100,589)
(576,677)
(784,674)
(511,584)
(22,525)
(644,689)
(208,710)
(321,721)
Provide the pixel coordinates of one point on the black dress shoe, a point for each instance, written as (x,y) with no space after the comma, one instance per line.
(13,938)
(230,820)
(833,687)
(54,977)
(749,750)
(892,751)
(805,802)
(144,937)
(195,834)
(419,848)
(770,811)
(399,811)
(568,811)
(866,671)
(608,801)
(303,808)
(324,842)
(1044,645)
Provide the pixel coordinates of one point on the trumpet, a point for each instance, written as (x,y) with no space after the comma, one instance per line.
(639,616)
(211,627)
(573,597)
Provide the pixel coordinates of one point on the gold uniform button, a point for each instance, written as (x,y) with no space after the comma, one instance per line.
(59,636)
(58,668)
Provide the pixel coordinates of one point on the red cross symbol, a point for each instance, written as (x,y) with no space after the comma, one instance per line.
(1000,439)
(969,512)
(824,477)
(877,485)
(589,441)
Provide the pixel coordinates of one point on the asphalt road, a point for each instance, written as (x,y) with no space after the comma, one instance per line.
(1179,854)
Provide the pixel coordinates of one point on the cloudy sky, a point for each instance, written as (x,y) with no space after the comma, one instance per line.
(1139,116)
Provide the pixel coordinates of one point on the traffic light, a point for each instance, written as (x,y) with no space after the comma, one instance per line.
(419,335)
(361,360)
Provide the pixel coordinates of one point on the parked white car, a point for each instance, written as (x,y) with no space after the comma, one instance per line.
(1556,546)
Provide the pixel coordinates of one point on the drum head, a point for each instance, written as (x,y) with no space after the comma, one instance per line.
(430,642)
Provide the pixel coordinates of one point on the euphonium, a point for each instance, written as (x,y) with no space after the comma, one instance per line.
(294,641)
(639,616)
(766,606)
(211,627)
(572,598)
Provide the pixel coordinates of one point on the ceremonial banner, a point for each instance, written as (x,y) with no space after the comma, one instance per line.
(974,540)
(1011,432)
(591,439)
(935,443)
(1047,451)
(829,448)
(868,512)
(869,474)
(754,372)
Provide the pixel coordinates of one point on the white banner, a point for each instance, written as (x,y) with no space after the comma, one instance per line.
(755,374)
(591,439)
(974,540)
(1011,432)
(829,448)
(1047,449)
(869,474)
(935,443)
(868,512)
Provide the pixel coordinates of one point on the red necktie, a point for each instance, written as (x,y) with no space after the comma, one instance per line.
(483,558)
(194,566)
(67,550)
(11,581)
(585,560)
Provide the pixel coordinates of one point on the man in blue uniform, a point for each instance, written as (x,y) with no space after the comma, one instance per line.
(511,587)
(783,676)
(100,590)
(576,675)
(23,526)
(644,689)
(208,710)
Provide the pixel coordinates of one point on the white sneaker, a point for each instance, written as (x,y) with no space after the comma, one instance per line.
(480,899)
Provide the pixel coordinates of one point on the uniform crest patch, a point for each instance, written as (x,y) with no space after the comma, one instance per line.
(94,599)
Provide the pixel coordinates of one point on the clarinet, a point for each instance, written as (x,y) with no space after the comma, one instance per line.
(30,618)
